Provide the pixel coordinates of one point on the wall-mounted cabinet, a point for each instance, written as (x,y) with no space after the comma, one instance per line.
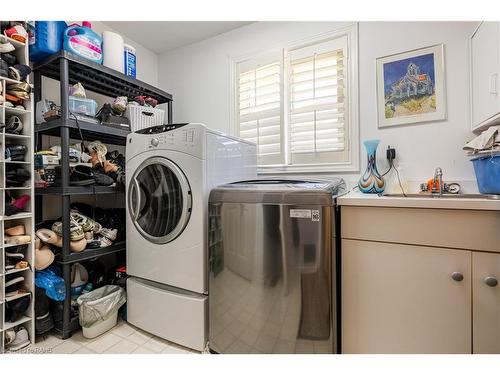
(484,76)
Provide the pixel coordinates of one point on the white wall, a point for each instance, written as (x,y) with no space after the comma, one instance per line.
(198,77)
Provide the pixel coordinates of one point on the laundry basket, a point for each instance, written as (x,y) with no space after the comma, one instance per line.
(141,117)
(99,309)
(487,171)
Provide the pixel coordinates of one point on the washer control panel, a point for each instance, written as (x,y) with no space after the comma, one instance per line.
(185,138)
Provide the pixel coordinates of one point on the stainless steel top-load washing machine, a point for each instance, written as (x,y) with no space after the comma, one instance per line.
(272,251)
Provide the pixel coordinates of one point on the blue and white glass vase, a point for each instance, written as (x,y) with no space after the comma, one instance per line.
(371,181)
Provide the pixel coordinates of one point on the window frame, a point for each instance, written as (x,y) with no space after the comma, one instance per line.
(352,102)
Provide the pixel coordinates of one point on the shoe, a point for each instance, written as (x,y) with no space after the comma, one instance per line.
(47,236)
(19,72)
(76,231)
(10,335)
(16,205)
(17,252)
(4,67)
(17,240)
(17,32)
(16,177)
(79,278)
(84,221)
(6,46)
(99,242)
(20,90)
(82,175)
(78,246)
(43,317)
(14,125)
(13,285)
(17,230)
(44,257)
(14,263)
(110,234)
(21,341)
(15,152)
(18,307)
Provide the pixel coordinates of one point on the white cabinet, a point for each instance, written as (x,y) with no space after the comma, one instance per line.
(405,299)
(486,303)
(484,75)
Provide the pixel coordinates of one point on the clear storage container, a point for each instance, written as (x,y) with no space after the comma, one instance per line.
(82,106)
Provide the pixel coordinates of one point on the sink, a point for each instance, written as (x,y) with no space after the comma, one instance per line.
(445,196)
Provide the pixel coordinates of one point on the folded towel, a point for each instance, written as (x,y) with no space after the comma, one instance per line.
(488,139)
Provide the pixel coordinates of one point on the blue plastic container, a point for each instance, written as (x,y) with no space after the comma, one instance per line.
(45,38)
(487,171)
(84,42)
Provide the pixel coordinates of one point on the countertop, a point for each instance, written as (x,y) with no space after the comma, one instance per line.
(356,198)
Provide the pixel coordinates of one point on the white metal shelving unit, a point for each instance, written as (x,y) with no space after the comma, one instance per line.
(26,218)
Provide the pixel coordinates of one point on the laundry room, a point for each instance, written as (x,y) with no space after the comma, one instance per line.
(252,181)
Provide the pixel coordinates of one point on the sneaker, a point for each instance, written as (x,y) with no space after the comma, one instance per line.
(13,285)
(22,340)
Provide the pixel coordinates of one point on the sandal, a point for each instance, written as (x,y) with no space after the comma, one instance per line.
(18,230)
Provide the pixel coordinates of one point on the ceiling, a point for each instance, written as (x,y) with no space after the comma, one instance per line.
(161,36)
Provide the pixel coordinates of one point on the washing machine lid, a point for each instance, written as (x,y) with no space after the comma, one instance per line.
(280,191)
(159,200)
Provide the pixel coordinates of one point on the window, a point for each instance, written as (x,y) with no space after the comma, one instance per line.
(299,105)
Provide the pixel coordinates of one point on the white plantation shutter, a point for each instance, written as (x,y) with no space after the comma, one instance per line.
(317,107)
(260,119)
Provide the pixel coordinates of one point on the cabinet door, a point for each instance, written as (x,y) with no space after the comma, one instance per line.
(486,303)
(403,299)
(485,63)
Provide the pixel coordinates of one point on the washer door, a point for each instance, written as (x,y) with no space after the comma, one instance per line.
(159,200)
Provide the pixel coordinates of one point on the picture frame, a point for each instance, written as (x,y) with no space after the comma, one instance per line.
(411,87)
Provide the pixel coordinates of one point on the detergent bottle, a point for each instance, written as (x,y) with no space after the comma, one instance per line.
(45,38)
(84,42)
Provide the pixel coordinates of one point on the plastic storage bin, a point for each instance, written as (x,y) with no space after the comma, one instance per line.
(45,38)
(487,171)
(144,117)
(82,106)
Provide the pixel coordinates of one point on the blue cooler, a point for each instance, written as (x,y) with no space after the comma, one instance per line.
(487,169)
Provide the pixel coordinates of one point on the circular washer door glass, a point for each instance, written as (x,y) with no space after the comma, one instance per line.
(159,200)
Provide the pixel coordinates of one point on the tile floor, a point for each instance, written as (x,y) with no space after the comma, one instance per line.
(124,338)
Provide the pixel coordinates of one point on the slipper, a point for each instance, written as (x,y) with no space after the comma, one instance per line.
(18,230)
(17,240)
(47,236)
(44,257)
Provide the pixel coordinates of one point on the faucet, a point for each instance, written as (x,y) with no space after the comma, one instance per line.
(438,181)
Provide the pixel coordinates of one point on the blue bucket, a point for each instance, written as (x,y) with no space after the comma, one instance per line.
(487,171)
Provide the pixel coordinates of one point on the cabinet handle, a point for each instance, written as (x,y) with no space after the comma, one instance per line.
(491,281)
(493,83)
(457,276)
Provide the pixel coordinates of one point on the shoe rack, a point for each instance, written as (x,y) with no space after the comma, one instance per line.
(23,218)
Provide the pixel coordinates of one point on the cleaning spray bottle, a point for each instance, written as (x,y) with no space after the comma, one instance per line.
(84,42)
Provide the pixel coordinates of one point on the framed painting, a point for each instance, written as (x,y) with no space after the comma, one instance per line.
(410,87)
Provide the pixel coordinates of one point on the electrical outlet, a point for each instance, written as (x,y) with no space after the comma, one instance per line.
(391,153)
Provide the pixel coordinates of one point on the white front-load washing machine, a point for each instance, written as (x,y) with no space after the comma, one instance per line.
(170,171)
